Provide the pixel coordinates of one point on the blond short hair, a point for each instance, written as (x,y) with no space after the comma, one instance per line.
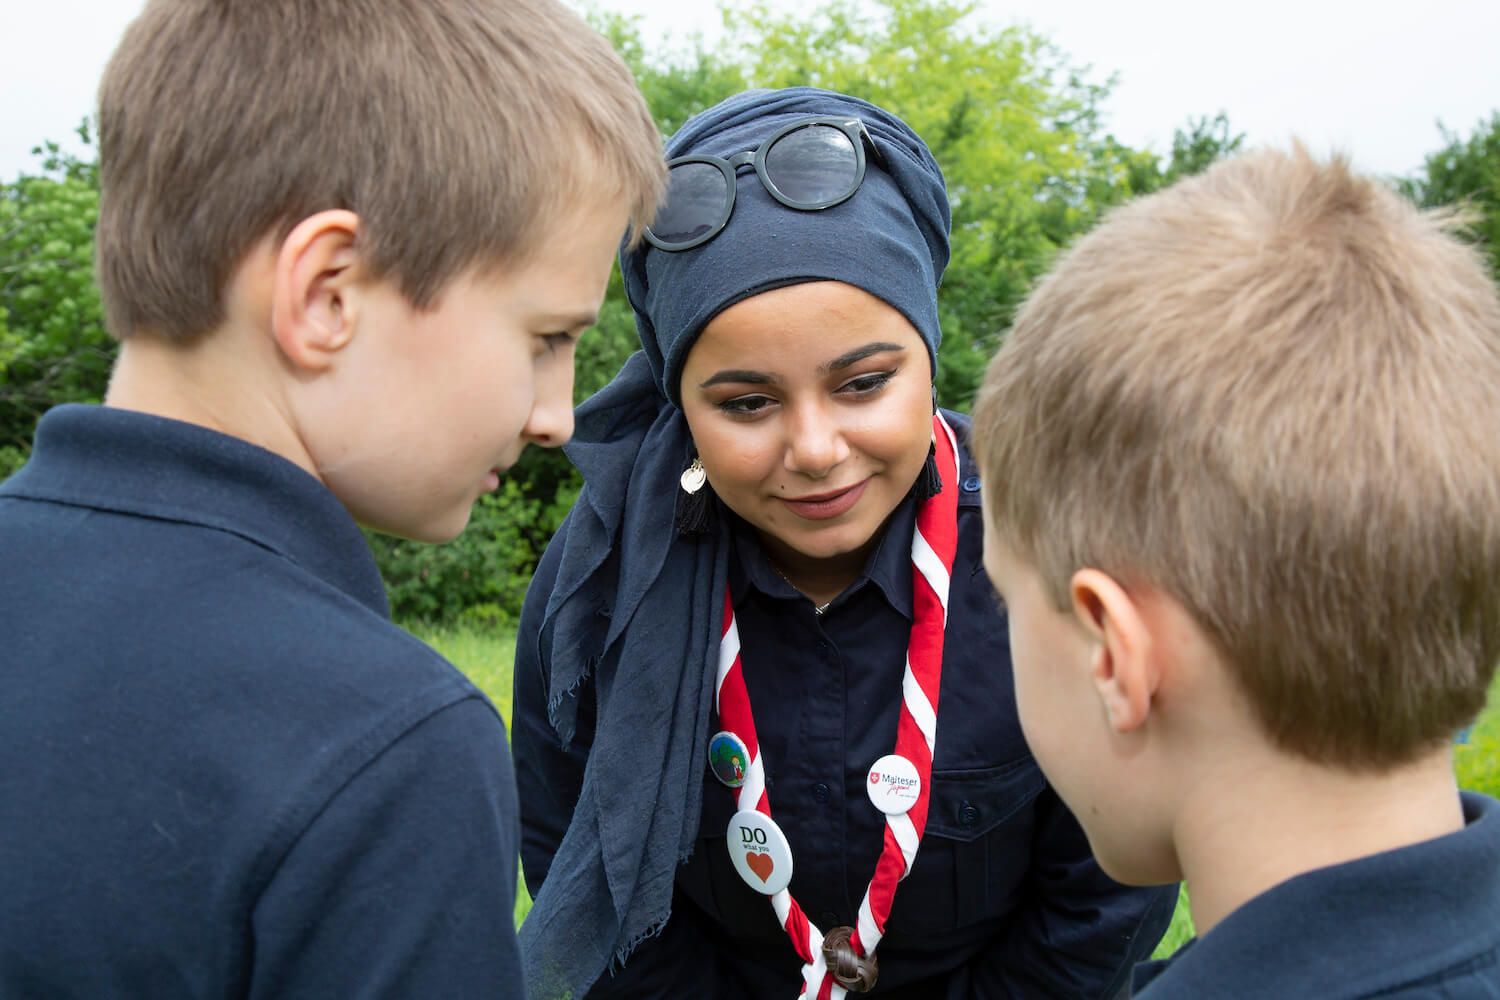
(1273,391)
(458,130)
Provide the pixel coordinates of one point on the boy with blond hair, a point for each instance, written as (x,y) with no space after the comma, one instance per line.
(347,248)
(1243,505)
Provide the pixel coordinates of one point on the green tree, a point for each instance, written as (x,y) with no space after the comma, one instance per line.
(1466,172)
(676,85)
(1015,127)
(1196,148)
(53,347)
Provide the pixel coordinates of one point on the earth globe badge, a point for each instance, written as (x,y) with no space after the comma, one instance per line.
(729,759)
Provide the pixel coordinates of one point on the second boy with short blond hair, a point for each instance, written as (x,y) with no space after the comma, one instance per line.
(1244,508)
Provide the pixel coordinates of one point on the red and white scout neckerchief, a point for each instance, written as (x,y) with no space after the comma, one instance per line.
(932,549)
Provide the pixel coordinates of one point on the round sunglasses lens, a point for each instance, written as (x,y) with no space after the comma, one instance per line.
(696,193)
(813,165)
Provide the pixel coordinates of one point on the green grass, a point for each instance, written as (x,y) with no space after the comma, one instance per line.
(1180,931)
(487,657)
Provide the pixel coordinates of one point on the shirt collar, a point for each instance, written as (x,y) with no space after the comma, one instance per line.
(136,463)
(888,567)
(1328,932)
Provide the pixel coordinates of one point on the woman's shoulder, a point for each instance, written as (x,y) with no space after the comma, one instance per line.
(962,423)
(969,480)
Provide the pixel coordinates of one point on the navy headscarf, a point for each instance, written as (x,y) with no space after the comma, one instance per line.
(638,609)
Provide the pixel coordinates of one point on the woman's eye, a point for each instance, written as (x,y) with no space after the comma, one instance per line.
(557,341)
(864,385)
(744,406)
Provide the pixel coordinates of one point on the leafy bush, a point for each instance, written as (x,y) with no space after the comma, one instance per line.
(1467,172)
(11,459)
(480,577)
(53,348)
(1476,760)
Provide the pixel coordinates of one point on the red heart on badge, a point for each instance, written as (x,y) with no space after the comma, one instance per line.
(874,778)
(762,865)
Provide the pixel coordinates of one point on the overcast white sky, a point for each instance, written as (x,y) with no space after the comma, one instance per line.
(1370,77)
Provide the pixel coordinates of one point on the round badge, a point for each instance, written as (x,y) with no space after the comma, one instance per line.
(759,852)
(729,759)
(894,784)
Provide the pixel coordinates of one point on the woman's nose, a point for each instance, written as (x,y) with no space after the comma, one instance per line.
(815,443)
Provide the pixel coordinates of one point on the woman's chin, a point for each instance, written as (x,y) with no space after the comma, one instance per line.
(831,542)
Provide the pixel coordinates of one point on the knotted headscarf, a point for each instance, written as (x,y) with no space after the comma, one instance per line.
(635,609)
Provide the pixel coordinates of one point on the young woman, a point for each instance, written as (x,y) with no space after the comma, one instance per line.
(764,728)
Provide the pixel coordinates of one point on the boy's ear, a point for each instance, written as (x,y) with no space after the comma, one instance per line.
(312,308)
(1123,666)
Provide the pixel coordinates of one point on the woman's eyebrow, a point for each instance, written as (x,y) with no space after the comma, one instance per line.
(738,375)
(859,354)
(744,376)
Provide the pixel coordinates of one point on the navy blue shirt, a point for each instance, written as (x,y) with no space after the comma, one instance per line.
(223,771)
(1419,922)
(1004,899)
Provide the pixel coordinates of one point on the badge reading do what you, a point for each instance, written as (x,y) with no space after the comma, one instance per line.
(894,784)
(759,851)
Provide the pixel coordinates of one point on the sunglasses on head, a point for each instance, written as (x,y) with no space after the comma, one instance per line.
(811,164)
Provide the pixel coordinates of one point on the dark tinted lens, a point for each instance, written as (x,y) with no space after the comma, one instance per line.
(696,194)
(813,165)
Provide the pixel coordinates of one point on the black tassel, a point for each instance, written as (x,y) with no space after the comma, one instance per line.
(929,481)
(695,511)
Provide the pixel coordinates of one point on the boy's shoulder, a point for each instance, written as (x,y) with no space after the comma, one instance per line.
(208,705)
(1420,921)
(206,819)
(141,540)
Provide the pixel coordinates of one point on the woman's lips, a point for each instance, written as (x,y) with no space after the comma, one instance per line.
(822,506)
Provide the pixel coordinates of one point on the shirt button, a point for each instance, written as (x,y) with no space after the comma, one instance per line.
(821,792)
(968,814)
(971,484)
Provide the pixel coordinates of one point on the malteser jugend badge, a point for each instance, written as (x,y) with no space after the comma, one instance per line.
(894,784)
